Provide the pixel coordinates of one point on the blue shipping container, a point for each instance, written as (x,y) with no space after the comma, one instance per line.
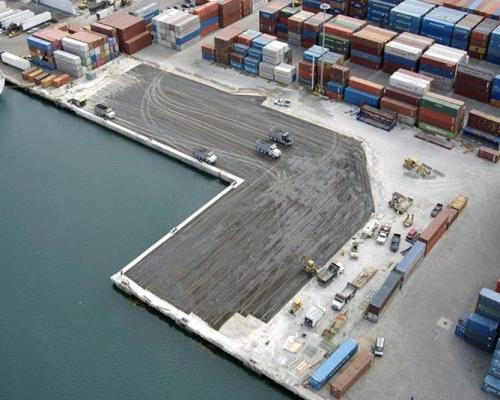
(333,364)
(356,97)
(411,259)
(460,330)
(488,304)
(482,325)
(40,44)
(491,385)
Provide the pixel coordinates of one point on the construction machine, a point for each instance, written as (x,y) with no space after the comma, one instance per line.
(297,3)
(296,306)
(400,203)
(408,221)
(310,266)
(340,320)
(420,168)
(83,5)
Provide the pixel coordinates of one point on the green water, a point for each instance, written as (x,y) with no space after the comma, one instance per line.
(76,204)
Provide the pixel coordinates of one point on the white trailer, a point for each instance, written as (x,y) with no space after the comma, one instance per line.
(15,61)
(17,19)
(36,20)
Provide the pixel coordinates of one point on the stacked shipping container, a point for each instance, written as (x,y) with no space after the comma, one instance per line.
(312,28)
(441,115)
(338,33)
(405,52)
(463,30)
(368,46)
(483,126)
(407,16)
(295,27)
(480,38)
(209,17)
(439,24)
(473,83)
(131,31)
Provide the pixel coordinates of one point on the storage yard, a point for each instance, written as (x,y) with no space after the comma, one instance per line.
(304,260)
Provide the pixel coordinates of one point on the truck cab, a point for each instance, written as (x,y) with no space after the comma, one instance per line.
(281,136)
(204,155)
(104,111)
(325,276)
(269,148)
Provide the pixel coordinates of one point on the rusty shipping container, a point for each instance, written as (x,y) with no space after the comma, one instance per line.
(488,154)
(403,95)
(399,107)
(434,231)
(348,377)
(452,215)
(474,83)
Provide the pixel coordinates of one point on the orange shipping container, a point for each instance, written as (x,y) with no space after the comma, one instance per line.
(348,377)
(459,203)
(46,82)
(452,215)
(32,75)
(434,231)
(366,86)
(61,80)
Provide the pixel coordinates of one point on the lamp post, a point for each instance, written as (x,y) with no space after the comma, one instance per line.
(324,7)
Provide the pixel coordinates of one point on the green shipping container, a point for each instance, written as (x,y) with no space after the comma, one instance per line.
(440,106)
(437,131)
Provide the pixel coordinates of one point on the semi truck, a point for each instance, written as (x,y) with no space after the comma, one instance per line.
(104,111)
(279,135)
(344,296)
(268,148)
(204,155)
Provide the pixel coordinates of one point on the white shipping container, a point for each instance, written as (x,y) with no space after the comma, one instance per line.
(409,83)
(285,73)
(403,50)
(9,14)
(15,61)
(6,13)
(18,18)
(141,12)
(36,20)
(3,6)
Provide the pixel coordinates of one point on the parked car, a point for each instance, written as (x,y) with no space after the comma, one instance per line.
(395,242)
(436,210)
(378,347)
(282,102)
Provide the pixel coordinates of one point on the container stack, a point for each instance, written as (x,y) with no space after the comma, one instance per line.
(266,70)
(98,48)
(176,29)
(360,91)
(307,73)
(258,44)
(338,33)
(224,41)
(283,16)
(236,60)
(484,126)
(41,52)
(336,86)
(463,30)
(285,74)
(312,28)
(441,115)
(368,46)
(495,92)
(439,24)
(258,5)
(481,331)
(209,17)
(358,8)
(314,53)
(77,48)
(441,63)
(276,53)
(480,37)
(229,12)
(295,27)
(251,65)
(473,83)
(493,54)
(112,36)
(404,94)
(407,16)
(379,11)
(339,7)
(268,16)
(131,31)
(208,52)
(405,52)
(68,63)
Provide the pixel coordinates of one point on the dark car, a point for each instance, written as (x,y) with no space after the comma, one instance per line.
(436,210)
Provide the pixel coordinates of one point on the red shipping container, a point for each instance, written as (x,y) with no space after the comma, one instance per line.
(399,107)
(434,231)
(366,63)
(138,42)
(402,95)
(440,120)
(497,289)
(488,154)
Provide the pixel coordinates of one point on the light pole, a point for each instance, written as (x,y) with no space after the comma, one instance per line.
(324,7)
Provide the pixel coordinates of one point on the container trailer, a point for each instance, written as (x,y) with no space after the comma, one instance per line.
(268,148)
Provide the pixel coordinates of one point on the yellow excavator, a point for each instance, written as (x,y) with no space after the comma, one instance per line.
(422,169)
(297,3)
(310,266)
